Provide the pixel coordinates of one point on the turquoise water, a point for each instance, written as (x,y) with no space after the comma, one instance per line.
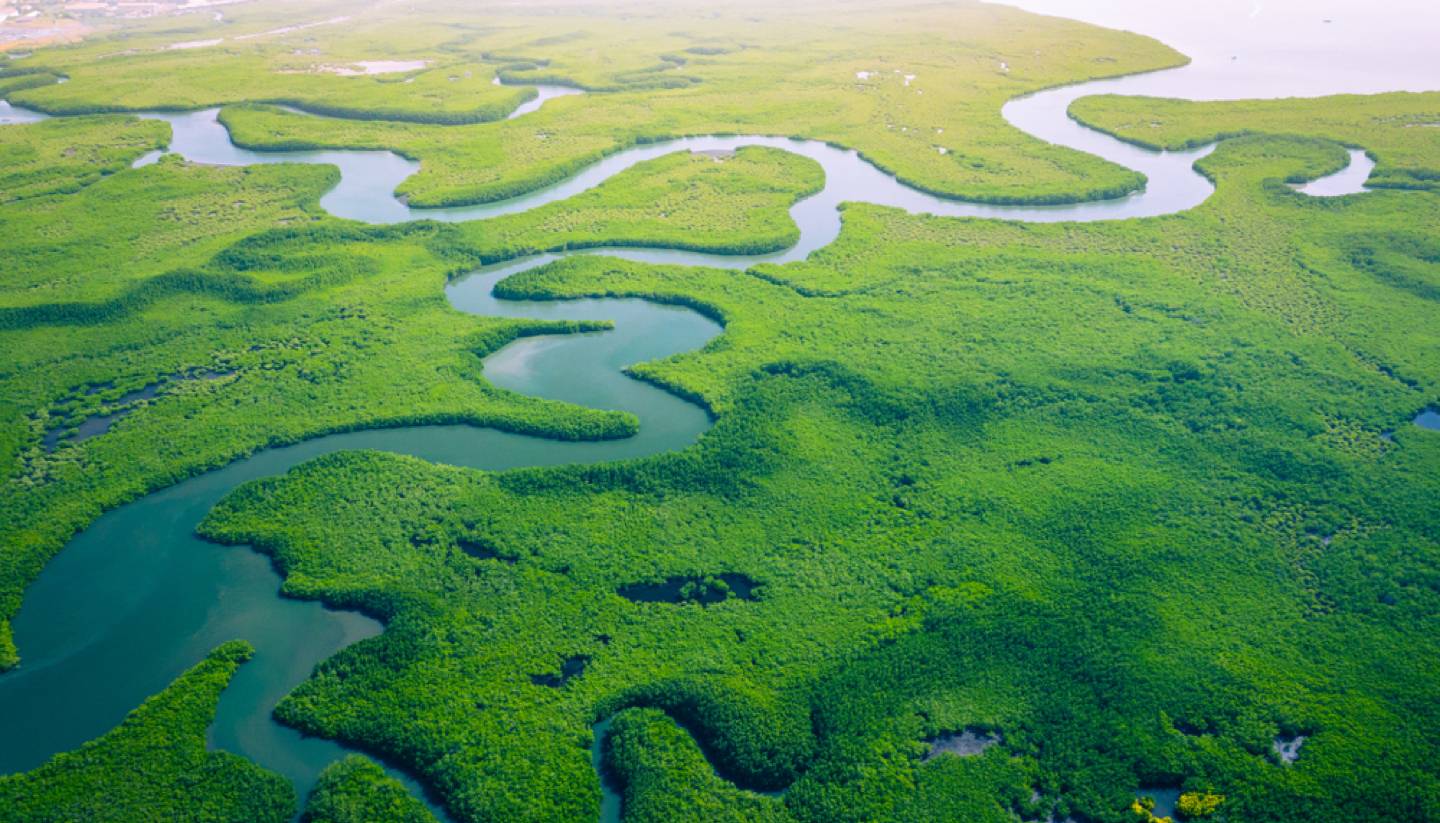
(137,598)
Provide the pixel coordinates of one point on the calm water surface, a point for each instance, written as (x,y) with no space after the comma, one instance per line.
(136,598)
(1273,48)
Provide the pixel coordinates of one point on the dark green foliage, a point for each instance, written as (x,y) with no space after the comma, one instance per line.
(755,738)
(355,790)
(662,776)
(155,766)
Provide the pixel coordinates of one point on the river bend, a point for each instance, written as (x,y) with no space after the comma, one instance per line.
(136,598)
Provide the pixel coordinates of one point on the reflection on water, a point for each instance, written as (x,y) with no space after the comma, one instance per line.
(136,598)
(10,115)
(1166,799)
(543,92)
(1287,747)
(1275,48)
(1350,180)
(369,178)
(970,742)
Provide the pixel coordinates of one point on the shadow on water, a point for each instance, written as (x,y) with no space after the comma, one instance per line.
(1166,799)
(572,667)
(610,800)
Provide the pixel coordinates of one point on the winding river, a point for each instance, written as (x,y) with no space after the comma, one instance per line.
(136,598)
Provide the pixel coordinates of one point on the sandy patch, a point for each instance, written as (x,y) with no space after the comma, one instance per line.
(299,27)
(194,44)
(30,32)
(364,67)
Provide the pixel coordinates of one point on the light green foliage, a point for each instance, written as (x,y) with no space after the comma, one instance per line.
(1067,481)
(155,766)
(178,64)
(12,80)
(98,245)
(734,205)
(935,80)
(1138,495)
(456,93)
(355,790)
(1198,804)
(1402,131)
(318,325)
(51,158)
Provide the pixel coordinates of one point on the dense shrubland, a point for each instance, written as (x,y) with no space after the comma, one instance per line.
(1401,131)
(176,267)
(1139,496)
(898,84)
(355,790)
(662,775)
(741,202)
(19,79)
(155,765)
(61,158)
(1141,545)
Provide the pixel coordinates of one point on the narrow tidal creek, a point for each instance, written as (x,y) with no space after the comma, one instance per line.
(137,598)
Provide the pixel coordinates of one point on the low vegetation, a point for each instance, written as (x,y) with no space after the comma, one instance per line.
(897,84)
(1138,546)
(312,324)
(1401,131)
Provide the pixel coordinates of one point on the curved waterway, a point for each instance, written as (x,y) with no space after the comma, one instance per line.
(543,92)
(136,598)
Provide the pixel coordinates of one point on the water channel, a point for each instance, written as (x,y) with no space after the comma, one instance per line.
(136,598)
